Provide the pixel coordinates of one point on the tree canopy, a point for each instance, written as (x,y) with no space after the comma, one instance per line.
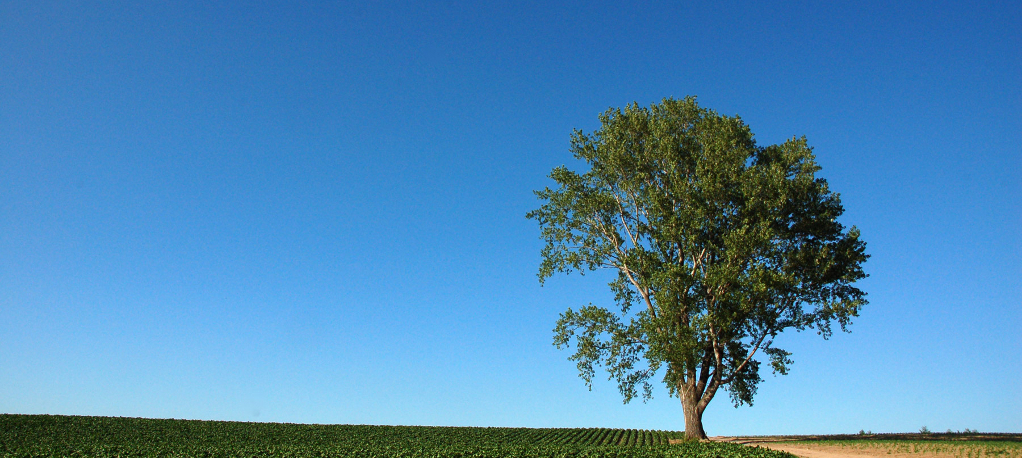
(719,244)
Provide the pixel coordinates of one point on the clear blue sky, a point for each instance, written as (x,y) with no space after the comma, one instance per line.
(314,212)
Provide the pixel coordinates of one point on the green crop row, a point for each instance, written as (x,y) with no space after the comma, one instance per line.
(67,436)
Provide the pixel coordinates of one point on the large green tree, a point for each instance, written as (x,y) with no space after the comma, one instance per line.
(718,244)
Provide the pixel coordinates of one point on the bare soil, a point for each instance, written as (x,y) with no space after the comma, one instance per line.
(818,451)
(967,448)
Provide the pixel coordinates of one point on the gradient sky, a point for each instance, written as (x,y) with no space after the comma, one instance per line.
(314,212)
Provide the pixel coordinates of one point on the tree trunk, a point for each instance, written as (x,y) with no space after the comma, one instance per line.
(693,415)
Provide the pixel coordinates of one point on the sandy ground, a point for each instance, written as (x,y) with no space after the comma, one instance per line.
(822,451)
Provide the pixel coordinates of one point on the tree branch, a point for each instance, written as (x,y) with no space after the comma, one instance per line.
(621,215)
(747,358)
(704,372)
(697,261)
(644,292)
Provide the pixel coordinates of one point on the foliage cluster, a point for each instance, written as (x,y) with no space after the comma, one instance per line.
(67,436)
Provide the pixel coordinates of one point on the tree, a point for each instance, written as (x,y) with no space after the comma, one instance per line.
(718,245)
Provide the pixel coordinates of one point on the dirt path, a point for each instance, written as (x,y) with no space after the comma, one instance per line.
(995,446)
(811,451)
(814,452)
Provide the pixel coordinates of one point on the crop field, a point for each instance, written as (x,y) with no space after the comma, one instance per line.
(69,436)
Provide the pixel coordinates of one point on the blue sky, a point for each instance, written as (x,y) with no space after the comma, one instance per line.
(314,212)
